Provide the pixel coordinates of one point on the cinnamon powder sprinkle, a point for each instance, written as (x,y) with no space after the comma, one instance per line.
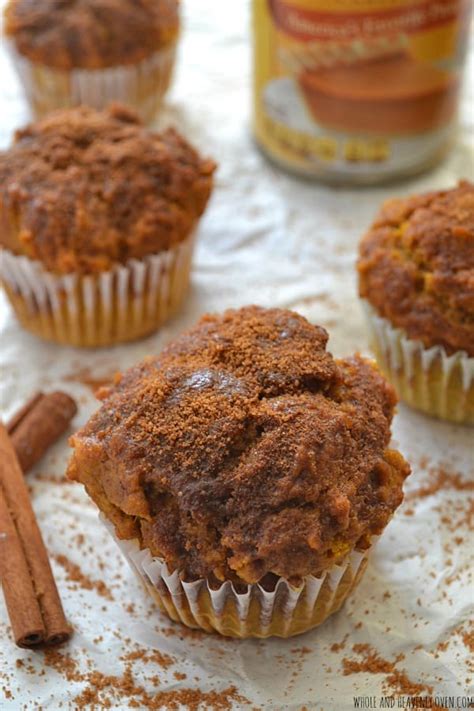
(85,376)
(107,691)
(468,639)
(75,575)
(370,663)
(147,656)
(396,680)
(438,479)
(338,646)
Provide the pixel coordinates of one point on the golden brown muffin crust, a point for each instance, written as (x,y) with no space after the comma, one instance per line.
(245,450)
(90,189)
(90,34)
(416,267)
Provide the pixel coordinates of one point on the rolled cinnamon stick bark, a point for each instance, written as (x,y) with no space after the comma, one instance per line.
(38,424)
(17,499)
(22,412)
(20,596)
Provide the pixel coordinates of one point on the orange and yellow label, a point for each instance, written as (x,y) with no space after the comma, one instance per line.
(357,87)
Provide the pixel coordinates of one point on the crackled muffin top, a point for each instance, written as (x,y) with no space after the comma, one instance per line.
(244,450)
(67,34)
(85,190)
(416,267)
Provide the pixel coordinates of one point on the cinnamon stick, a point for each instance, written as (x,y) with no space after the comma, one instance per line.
(36,570)
(38,424)
(20,597)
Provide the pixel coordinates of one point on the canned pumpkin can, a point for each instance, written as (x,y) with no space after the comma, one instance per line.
(357,90)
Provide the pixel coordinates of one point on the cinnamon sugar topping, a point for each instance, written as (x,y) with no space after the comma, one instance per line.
(245,449)
(85,190)
(91,34)
(416,267)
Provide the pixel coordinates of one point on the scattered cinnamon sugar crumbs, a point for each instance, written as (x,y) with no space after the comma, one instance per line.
(396,680)
(180,676)
(441,647)
(337,646)
(86,377)
(188,633)
(146,656)
(75,575)
(109,691)
(125,688)
(399,683)
(370,663)
(440,478)
(51,479)
(468,639)
(301,650)
(63,663)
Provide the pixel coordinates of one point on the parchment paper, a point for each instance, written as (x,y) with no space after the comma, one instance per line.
(271,239)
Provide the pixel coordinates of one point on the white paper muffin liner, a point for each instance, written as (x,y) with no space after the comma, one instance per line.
(118,305)
(427,378)
(141,85)
(183,600)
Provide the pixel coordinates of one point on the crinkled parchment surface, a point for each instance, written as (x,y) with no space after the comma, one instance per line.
(267,238)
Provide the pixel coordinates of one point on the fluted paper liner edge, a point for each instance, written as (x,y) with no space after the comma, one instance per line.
(426,378)
(141,85)
(121,304)
(277,610)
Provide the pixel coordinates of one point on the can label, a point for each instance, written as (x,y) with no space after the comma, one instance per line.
(357,88)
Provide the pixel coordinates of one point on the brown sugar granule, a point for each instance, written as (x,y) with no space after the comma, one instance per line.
(245,449)
(416,267)
(93,189)
(75,575)
(91,34)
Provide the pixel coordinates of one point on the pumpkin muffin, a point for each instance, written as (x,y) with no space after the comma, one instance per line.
(97,217)
(245,472)
(416,277)
(94,52)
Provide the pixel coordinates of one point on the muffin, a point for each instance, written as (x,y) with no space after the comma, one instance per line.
(244,472)
(416,279)
(69,52)
(97,217)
